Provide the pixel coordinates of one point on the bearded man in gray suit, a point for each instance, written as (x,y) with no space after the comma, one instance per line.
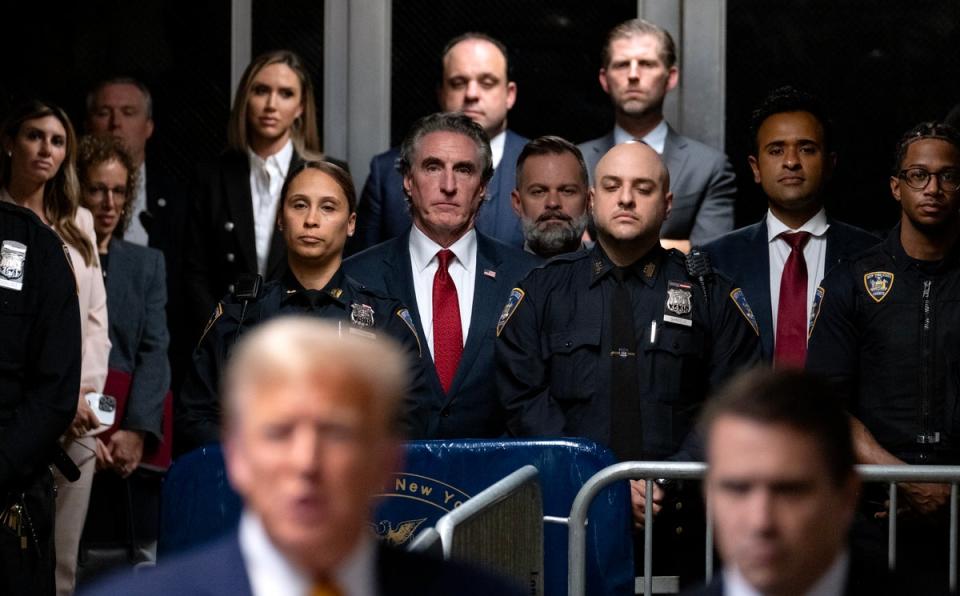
(639,68)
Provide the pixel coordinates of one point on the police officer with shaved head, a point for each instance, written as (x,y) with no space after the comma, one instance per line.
(622,343)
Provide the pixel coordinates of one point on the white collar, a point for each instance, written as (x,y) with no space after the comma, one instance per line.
(497,145)
(271,574)
(423,250)
(656,138)
(816,225)
(280,160)
(831,583)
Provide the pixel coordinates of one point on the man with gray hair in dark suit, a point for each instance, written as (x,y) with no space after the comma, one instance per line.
(639,68)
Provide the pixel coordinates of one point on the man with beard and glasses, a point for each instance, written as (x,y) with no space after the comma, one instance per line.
(887,332)
(551,196)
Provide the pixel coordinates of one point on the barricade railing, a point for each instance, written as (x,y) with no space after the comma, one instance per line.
(499,528)
(650,471)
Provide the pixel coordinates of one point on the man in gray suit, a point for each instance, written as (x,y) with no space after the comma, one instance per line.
(639,68)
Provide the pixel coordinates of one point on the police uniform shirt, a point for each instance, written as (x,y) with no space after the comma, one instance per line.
(360,311)
(553,348)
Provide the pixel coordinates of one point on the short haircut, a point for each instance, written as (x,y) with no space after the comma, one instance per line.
(94,150)
(793,398)
(551,145)
(791,99)
(633,27)
(294,347)
(475,35)
(454,122)
(924,130)
(147,97)
(342,177)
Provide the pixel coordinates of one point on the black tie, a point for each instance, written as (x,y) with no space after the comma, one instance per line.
(626,438)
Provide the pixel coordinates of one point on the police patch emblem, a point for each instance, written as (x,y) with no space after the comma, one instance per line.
(13,255)
(679,306)
(815,310)
(361,315)
(405,316)
(516,297)
(740,299)
(878,284)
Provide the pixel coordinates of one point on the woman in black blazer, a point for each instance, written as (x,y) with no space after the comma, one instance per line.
(273,123)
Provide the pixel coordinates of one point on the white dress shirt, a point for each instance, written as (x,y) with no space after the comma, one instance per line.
(831,583)
(656,138)
(814,253)
(462,269)
(266,181)
(135,231)
(497,144)
(271,574)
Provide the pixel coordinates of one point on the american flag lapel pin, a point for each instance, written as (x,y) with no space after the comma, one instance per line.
(490,273)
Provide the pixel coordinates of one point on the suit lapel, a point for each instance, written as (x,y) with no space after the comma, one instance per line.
(756,285)
(675,157)
(236,183)
(486,291)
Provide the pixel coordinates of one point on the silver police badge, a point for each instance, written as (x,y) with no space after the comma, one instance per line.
(361,315)
(679,307)
(878,284)
(13,255)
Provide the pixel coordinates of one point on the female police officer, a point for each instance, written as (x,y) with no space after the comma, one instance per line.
(317,213)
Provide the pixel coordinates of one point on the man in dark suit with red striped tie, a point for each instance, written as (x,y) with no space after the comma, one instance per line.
(454,279)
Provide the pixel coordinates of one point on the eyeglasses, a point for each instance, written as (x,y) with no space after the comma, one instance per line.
(918,178)
(100,191)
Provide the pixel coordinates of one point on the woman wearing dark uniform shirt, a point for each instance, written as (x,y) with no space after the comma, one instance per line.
(317,214)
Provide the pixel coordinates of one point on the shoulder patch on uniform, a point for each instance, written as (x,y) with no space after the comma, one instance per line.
(407,318)
(740,299)
(815,310)
(878,284)
(217,313)
(516,297)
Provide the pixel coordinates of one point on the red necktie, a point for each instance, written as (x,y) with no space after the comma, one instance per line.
(447,332)
(790,347)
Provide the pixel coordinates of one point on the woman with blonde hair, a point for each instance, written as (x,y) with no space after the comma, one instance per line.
(273,124)
(38,171)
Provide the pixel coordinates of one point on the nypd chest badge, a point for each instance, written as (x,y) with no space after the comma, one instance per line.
(361,315)
(679,306)
(13,256)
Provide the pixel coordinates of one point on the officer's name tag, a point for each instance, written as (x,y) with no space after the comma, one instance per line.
(13,256)
(679,307)
(361,333)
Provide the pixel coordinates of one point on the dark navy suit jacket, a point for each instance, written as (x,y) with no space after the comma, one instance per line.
(471,408)
(382,212)
(743,255)
(219,569)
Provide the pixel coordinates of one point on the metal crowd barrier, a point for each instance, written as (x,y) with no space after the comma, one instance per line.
(499,528)
(649,471)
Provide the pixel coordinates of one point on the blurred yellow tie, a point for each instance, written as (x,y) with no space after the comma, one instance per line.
(325,588)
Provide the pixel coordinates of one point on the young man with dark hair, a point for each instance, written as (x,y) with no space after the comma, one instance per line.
(780,260)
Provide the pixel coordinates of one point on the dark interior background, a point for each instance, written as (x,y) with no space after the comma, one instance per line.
(880,65)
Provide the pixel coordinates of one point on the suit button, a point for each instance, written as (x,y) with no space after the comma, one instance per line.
(228,226)
(568,344)
(679,530)
(230,288)
(230,257)
(679,505)
(161,202)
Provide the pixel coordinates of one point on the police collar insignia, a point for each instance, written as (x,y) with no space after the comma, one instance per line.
(336,292)
(649,269)
(878,284)
(740,299)
(516,297)
(13,255)
(598,266)
(361,315)
(679,306)
(815,310)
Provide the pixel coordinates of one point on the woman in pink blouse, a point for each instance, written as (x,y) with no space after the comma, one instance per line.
(37,171)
